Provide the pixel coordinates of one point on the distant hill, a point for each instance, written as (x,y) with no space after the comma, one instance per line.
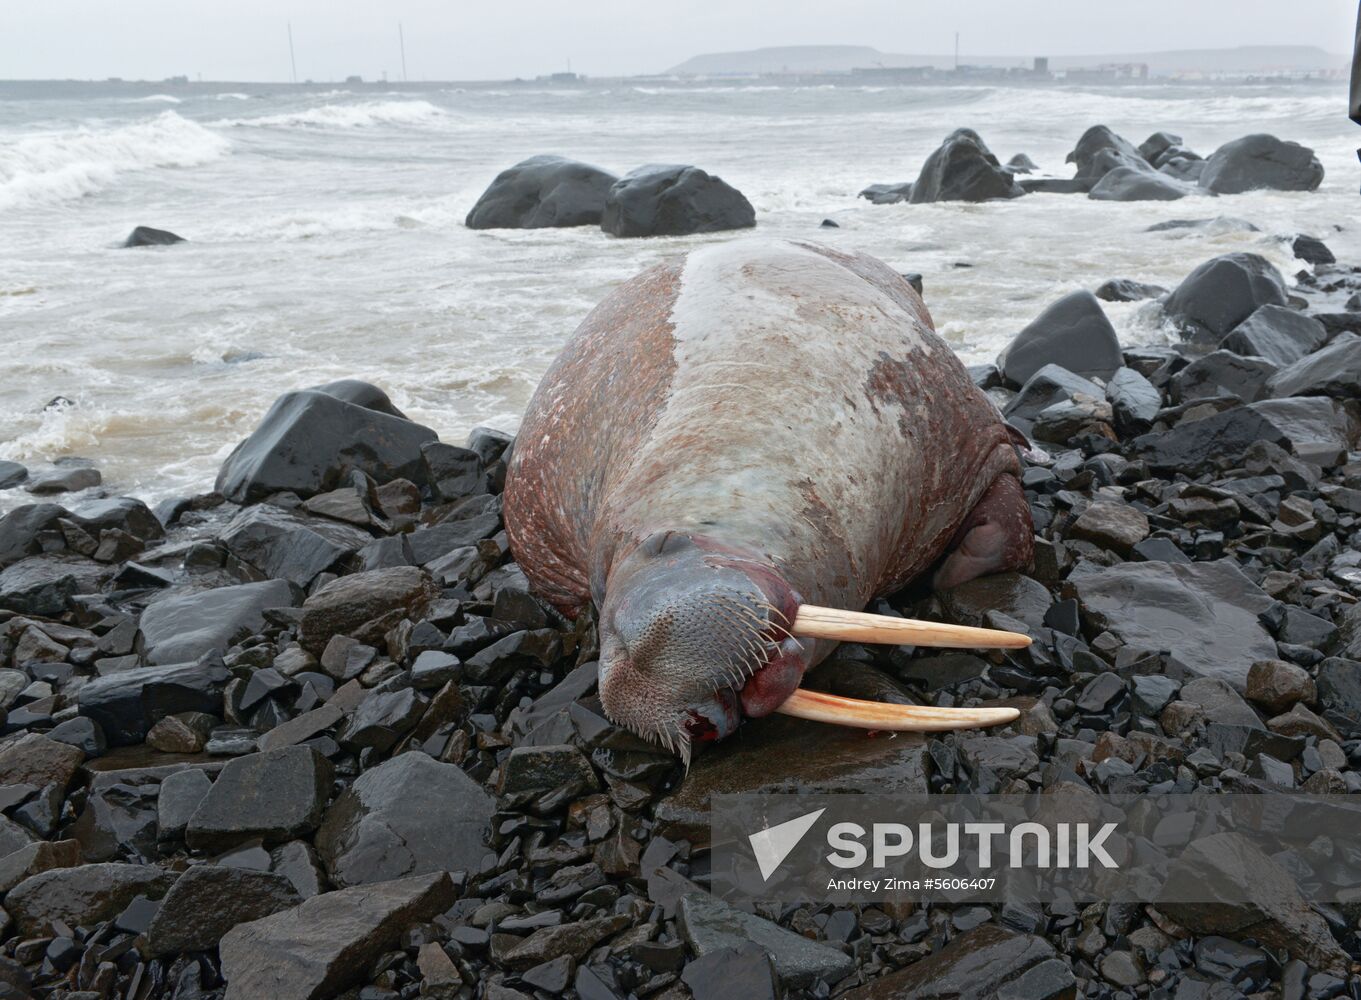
(841,58)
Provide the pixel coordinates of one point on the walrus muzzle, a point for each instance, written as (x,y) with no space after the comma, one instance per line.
(693,641)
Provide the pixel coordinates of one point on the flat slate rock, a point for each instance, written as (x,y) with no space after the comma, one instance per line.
(127,703)
(317,949)
(84,895)
(709,925)
(1313,428)
(408,816)
(772,756)
(179,628)
(1205,614)
(275,795)
(986,963)
(1277,333)
(209,900)
(1333,371)
(289,544)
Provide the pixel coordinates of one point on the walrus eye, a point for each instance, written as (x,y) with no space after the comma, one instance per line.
(853,626)
(857,626)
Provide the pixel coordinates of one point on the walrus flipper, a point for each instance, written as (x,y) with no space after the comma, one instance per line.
(995,537)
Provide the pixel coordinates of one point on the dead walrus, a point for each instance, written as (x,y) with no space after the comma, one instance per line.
(733,454)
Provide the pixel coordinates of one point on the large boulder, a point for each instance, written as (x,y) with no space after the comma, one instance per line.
(1261,161)
(1333,371)
(543,192)
(1073,332)
(1205,614)
(673,200)
(319,948)
(209,900)
(1132,184)
(1099,151)
(408,816)
(182,627)
(1222,373)
(962,168)
(1277,333)
(1313,428)
(275,795)
(1221,293)
(45,584)
(311,440)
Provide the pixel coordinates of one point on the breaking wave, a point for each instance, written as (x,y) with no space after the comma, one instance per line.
(57,166)
(363,115)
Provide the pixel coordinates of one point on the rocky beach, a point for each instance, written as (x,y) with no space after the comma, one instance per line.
(307,733)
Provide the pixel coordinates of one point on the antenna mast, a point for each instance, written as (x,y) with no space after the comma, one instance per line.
(292,62)
(956,51)
(401,40)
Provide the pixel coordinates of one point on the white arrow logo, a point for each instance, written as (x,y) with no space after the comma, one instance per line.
(773,844)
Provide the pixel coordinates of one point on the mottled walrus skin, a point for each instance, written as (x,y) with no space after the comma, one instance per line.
(728,435)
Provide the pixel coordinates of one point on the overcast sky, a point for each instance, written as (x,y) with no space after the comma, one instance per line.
(466,40)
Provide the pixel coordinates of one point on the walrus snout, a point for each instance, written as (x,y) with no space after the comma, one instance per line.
(690,644)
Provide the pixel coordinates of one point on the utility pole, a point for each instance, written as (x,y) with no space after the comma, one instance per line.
(956,51)
(401,41)
(293,62)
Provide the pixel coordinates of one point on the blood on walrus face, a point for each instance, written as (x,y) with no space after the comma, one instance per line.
(735,452)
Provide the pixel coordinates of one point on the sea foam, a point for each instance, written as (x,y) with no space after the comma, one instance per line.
(56,166)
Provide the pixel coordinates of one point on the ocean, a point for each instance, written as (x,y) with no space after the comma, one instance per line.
(326,237)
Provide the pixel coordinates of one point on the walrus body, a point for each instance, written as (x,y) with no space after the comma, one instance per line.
(727,436)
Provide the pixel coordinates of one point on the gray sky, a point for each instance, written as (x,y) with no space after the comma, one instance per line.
(247,40)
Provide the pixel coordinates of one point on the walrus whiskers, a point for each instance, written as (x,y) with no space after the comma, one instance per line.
(820,707)
(858,626)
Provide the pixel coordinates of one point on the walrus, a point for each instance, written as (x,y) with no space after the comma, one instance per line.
(732,455)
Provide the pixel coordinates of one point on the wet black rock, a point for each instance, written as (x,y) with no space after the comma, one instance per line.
(1333,371)
(530,771)
(408,816)
(1127,290)
(673,200)
(962,168)
(145,236)
(179,797)
(1135,401)
(1312,250)
(1021,164)
(1221,293)
(82,733)
(69,479)
(381,719)
(127,703)
(1276,685)
(887,194)
(985,963)
(1261,161)
(364,605)
(181,627)
(1124,183)
(1115,526)
(1072,332)
(82,896)
(322,946)
(311,440)
(769,758)
(1339,693)
(1277,333)
(1012,594)
(710,925)
(1204,613)
(289,544)
(209,900)
(1051,384)
(1312,428)
(1099,150)
(744,970)
(12,474)
(543,192)
(1223,867)
(275,795)
(1222,373)
(34,759)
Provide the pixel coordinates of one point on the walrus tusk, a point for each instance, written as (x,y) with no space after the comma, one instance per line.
(856,626)
(882,715)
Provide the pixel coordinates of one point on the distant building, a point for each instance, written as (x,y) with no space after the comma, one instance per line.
(1108,73)
(560,78)
(354,79)
(176,79)
(892,74)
